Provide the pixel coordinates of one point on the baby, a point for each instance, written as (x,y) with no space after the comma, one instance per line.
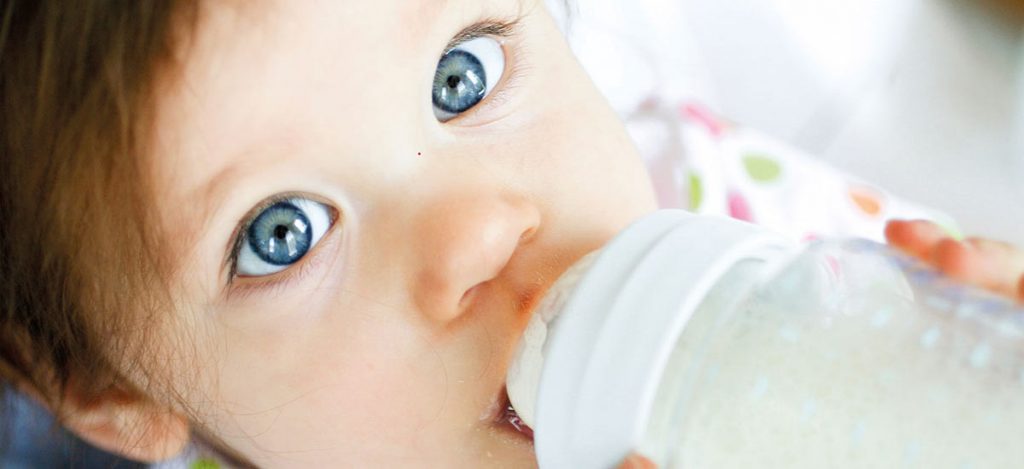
(306,233)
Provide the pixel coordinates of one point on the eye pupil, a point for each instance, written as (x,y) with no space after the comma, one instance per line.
(281,234)
(459,83)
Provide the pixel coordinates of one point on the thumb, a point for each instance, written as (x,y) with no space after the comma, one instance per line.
(636,461)
(1020,289)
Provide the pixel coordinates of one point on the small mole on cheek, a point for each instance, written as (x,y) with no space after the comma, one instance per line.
(419,153)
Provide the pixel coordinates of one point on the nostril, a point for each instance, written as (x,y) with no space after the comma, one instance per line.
(527,235)
(464,251)
(468,296)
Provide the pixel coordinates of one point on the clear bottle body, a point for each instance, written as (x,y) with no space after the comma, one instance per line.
(847,356)
(703,342)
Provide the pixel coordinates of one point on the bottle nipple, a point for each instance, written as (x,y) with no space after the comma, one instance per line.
(525,370)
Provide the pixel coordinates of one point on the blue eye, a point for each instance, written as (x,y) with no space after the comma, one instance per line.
(465,76)
(281,235)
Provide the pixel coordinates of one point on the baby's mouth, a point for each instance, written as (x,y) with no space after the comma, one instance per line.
(507,416)
(523,374)
(543,305)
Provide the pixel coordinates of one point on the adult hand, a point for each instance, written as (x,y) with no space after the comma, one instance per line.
(636,461)
(992,265)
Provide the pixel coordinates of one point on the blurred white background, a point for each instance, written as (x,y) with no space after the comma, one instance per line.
(922,97)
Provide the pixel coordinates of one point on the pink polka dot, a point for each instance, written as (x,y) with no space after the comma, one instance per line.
(739,208)
(704,117)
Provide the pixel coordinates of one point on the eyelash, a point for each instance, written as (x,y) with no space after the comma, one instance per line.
(506,31)
(272,284)
(239,236)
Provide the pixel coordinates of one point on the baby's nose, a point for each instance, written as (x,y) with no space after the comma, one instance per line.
(463,242)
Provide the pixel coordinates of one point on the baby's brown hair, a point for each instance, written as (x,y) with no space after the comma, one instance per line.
(78,264)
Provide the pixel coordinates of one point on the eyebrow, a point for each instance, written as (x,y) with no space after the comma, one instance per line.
(489,27)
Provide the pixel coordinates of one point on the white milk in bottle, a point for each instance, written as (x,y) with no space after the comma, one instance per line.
(704,342)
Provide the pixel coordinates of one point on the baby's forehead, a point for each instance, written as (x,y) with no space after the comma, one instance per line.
(297,47)
(351,29)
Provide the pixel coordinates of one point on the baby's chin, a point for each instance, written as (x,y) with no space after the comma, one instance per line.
(510,450)
(506,447)
(490,445)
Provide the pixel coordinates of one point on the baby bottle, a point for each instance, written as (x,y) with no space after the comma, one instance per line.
(704,342)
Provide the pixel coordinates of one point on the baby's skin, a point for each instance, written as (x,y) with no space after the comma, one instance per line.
(428,170)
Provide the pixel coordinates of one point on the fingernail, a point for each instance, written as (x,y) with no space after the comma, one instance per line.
(636,461)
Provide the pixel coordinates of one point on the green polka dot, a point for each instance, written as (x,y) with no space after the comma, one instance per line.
(762,168)
(696,191)
(204,464)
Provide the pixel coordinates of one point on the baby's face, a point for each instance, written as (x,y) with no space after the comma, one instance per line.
(363,238)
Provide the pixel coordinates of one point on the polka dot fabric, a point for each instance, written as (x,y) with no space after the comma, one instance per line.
(703,163)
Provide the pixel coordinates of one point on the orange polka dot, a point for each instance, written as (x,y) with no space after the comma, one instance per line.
(867,200)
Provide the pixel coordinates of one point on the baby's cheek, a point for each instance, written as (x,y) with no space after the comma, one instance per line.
(364,381)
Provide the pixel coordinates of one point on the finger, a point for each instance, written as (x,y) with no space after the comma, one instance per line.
(636,461)
(914,237)
(1020,289)
(987,264)
(1004,264)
